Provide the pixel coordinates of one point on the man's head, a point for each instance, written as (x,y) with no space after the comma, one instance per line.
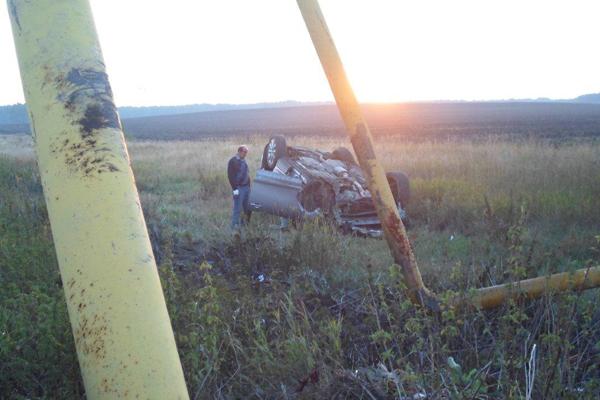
(242,151)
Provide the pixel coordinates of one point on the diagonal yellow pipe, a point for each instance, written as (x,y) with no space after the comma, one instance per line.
(394,230)
(362,142)
(125,344)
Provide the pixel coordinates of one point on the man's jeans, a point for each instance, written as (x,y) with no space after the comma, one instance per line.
(241,202)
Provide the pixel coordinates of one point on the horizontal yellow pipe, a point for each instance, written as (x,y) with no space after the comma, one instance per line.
(123,336)
(495,296)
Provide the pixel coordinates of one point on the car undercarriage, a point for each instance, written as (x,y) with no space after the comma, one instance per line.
(299,183)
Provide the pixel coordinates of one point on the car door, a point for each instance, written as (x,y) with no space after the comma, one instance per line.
(275,193)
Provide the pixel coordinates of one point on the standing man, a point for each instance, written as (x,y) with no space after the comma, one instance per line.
(239,179)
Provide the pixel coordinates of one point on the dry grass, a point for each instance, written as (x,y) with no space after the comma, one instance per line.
(456,185)
(483,212)
(497,166)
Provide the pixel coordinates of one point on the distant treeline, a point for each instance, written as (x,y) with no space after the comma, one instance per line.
(16,114)
(13,114)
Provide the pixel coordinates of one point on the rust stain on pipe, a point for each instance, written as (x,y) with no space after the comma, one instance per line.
(87,99)
(362,142)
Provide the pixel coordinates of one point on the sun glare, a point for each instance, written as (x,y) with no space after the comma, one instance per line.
(469,50)
(234,51)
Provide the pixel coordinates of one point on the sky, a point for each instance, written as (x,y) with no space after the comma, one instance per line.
(240,51)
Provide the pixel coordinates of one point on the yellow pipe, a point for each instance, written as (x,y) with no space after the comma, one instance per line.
(362,142)
(123,335)
(495,296)
(393,227)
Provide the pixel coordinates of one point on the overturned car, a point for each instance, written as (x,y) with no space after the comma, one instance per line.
(298,183)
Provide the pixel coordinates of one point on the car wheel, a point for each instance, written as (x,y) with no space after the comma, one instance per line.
(274,150)
(343,154)
(400,186)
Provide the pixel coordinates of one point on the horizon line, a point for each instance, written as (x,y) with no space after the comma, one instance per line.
(330,102)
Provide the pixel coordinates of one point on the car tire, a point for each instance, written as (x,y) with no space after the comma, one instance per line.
(343,154)
(274,150)
(400,186)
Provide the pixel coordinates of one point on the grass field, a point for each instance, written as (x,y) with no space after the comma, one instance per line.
(332,320)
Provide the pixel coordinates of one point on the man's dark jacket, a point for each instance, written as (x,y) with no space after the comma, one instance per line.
(237,172)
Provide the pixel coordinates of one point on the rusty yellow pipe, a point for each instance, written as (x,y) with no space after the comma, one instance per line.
(495,296)
(394,230)
(362,142)
(122,332)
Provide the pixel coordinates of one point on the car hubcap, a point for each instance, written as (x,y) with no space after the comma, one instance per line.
(271,153)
